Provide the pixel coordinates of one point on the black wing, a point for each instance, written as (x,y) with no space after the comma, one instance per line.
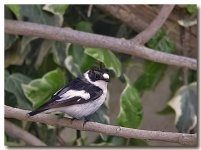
(78,84)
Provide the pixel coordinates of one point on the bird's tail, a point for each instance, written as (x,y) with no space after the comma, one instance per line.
(34,112)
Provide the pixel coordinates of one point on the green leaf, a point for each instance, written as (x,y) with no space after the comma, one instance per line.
(153,72)
(84,26)
(47,65)
(34,13)
(13,85)
(14,57)
(39,91)
(15,9)
(161,42)
(59,52)
(43,52)
(185,105)
(58,10)
(118,141)
(131,111)
(72,66)
(191,8)
(9,40)
(10,99)
(177,79)
(81,59)
(25,43)
(137,142)
(106,57)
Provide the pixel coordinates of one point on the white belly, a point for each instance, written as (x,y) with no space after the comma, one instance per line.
(82,110)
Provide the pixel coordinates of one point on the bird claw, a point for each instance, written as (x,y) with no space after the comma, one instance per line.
(85,121)
(71,120)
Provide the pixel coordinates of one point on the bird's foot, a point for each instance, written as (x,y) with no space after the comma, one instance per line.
(85,121)
(71,120)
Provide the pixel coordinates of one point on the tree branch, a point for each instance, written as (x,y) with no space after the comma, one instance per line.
(139,17)
(184,139)
(144,36)
(94,40)
(17,132)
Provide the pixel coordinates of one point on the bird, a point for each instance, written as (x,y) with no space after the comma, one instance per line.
(81,97)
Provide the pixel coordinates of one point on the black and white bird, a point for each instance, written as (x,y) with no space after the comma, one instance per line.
(81,97)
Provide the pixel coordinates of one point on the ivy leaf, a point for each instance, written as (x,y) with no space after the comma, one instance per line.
(15,9)
(13,85)
(77,61)
(131,111)
(9,40)
(57,10)
(191,8)
(34,13)
(84,26)
(72,66)
(137,142)
(39,91)
(83,60)
(153,72)
(59,52)
(43,53)
(106,57)
(14,56)
(184,104)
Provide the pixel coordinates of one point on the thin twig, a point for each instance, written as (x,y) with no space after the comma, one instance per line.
(95,40)
(17,132)
(89,11)
(144,36)
(185,139)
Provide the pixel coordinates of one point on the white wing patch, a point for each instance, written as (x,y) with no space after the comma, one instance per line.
(72,93)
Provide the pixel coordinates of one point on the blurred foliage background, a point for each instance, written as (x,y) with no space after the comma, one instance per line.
(36,68)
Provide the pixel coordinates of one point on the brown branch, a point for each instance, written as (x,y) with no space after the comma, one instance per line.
(17,132)
(184,139)
(94,40)
(144,36)
(139,17)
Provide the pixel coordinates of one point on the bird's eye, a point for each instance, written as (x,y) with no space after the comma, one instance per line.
(97,76)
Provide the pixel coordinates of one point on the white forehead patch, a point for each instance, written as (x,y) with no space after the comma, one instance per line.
(106,76)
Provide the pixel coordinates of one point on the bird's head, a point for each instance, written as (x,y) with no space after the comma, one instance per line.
(98,77)
(98,74)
